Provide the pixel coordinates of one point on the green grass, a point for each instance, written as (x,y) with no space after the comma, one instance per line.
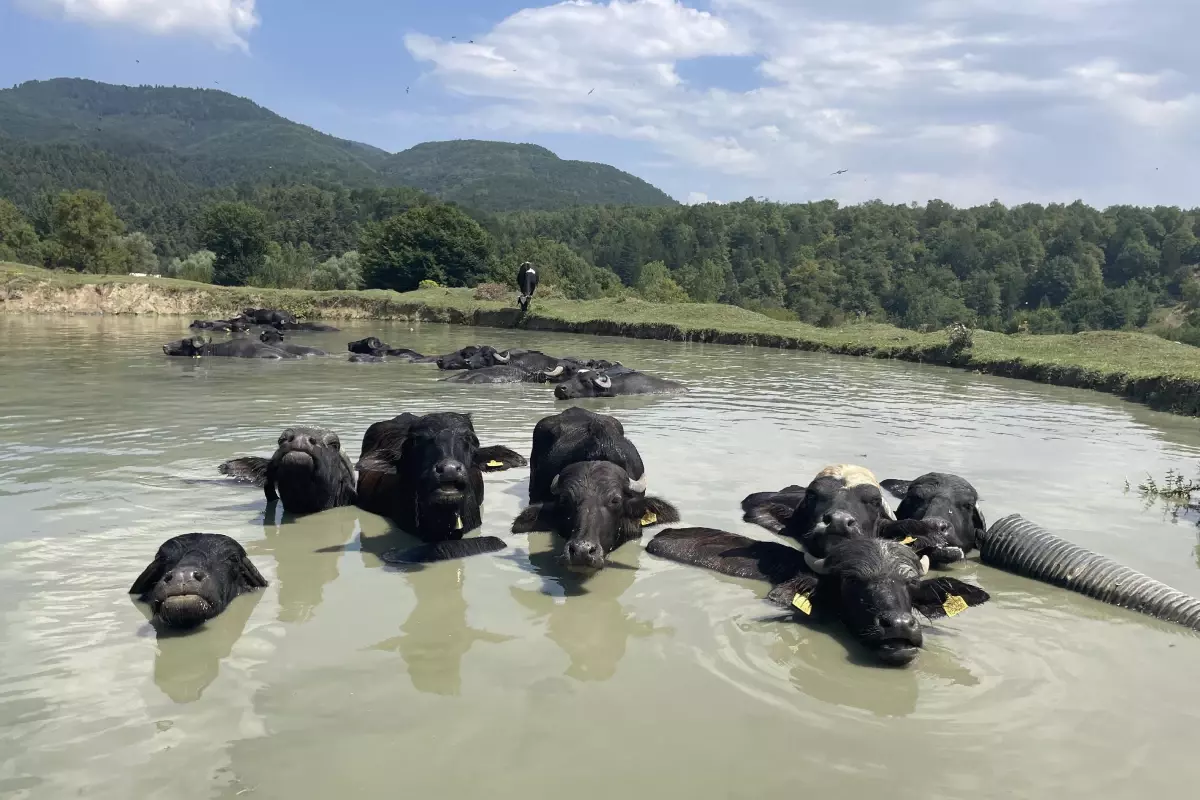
(1137,366)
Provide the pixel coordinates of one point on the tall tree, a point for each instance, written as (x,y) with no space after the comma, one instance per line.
(85,231)
(438,243)
(237,234)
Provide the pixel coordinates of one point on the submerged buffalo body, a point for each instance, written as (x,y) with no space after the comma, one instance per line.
(939,497)
(425,473)
(498,374)
(266,316)
(527,281)
(198,346)
(372,346)
(587,484)
(232,325)
(309,472)
(274,338)
(873,586)
(194,577)
(313,327)
(613,382)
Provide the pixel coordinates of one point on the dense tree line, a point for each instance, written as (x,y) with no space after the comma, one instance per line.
(1044,269)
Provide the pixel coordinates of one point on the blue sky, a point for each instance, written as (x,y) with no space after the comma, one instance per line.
(965,100)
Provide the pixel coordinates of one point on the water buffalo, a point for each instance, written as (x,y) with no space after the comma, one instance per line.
(313,327)
(193,578)
(274,338)
(458,359)
(587,484)
(568,367)
(309,471)
(613,382)
(359,358)
(231,325)
(266,316)
(527,281)
(944,497)
(871,585)
(425,473)
(842,501)
(497,374)
(372,346)
(197,346)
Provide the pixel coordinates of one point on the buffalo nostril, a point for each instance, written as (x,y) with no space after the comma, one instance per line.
(167,578)
(312,442)
(199,575)
(827,519)
(897,622)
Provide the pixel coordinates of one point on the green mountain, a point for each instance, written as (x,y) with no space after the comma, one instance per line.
(498,176)
(146,144)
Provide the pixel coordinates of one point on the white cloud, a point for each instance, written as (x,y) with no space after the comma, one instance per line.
(954,99)
(224,21)
(696,198)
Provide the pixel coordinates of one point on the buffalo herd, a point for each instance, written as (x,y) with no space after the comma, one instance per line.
(842,553)
(572,378)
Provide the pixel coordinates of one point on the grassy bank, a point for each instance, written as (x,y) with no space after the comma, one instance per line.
(1143,368)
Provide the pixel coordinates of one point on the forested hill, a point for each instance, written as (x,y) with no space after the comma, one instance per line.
(496,176)
(148,145)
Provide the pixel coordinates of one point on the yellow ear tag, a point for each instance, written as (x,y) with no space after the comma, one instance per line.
(802,602)
(495,463)
(908,540)
(649,519)
(458,526)
(954,605)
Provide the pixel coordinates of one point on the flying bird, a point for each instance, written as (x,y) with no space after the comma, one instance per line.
(839,172)
(592,90)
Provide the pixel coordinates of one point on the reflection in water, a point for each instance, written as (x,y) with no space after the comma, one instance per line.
(306,551)
(436,634)
(586,618)
(185,663)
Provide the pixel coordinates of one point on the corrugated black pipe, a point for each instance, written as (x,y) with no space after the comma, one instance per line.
(1017,545)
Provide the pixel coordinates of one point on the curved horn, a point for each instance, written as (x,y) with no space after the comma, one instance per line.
(817,565)
(924,565)
(603,381)
(503,359)
(554,373)
(638,486)
(554,485)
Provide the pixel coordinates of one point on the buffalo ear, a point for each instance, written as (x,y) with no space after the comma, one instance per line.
(250,576)
(252,469)
(947,597)
(150,576)
(537,517)
(795,594)
(376,462)
(896,488)
(653,511)
(498,458)
(979,522)
(768,512)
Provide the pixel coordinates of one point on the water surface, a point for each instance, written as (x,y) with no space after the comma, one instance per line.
(500,676)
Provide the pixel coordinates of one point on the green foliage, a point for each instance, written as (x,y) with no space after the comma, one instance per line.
(237,233)
(428,284)
(344,272)
(558,267)
(140,253)
(438,243)
(285,267)
(18,240)
(85,234)
(196,267)
(656,285)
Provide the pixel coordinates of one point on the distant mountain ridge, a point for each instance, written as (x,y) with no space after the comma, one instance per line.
(70,133)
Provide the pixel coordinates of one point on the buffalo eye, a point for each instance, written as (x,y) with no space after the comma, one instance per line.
(614,501)
(335,443)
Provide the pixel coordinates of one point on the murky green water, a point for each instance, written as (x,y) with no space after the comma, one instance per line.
(497,677)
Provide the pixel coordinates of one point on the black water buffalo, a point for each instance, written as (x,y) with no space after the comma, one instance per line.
(612,383)
(587,484)
(312,327)
(194,577)
(198,346)
(372,346)
(842,501)
(568,367)
(266,316)
(458,359)
(872,586)
(359,358)
(274,338)
(231,325)
(498,374)
(942,497)
(309,471)
(527,281)
(426,474)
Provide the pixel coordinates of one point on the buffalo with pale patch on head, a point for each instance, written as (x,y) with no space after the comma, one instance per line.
(613,382)
(871,585)
(309,471)
(194,577)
